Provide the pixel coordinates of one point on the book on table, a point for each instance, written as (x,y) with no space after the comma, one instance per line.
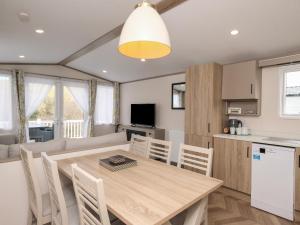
(117,162)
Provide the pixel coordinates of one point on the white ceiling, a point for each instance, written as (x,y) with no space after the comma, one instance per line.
(69,26)
(199,31)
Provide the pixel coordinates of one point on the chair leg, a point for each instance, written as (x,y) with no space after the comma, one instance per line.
(29,217)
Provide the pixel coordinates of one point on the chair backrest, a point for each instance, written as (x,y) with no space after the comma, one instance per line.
(90,198)
(196,159)
(139,145)
(58,204)
(34,191)
(159,150)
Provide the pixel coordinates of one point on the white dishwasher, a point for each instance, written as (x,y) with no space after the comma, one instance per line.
(272,186)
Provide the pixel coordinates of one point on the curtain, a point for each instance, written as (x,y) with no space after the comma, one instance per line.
(92,104)
(104,104)
(20,89)
(6,118)
(36,90)
(80,93)
(116,115)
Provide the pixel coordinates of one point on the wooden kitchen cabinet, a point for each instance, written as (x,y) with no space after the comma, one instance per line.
(241,81)
(204,113)
(198,140)
(223,149)
(232,163)
(241,166)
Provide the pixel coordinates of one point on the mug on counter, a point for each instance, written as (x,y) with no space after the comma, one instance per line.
(232,130)
(245,131)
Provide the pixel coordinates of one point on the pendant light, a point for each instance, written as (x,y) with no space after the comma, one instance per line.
(144,35)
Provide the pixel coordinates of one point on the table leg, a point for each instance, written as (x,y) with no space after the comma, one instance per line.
(197,213)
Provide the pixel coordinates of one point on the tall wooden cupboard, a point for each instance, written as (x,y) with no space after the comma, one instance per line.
(204,109)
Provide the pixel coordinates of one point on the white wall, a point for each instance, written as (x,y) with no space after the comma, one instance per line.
(156,91)
(270,123)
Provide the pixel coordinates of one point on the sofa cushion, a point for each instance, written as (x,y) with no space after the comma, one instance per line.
(14,150)
(49,146)
(104,129)
(96,142)
(3,151)
(8,139)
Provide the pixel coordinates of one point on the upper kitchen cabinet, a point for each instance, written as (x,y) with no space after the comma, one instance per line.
(241,81)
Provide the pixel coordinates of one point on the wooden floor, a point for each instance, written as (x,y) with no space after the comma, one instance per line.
(233,208)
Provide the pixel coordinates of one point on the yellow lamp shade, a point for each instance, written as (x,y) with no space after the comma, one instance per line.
(144,35)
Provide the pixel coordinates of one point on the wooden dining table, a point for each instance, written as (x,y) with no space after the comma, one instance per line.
(150,193)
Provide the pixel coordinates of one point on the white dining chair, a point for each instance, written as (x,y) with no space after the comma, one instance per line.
(195,158)
(159,150)
(139,145)
(90,197)
(39,204)
(198,160)
(61,213)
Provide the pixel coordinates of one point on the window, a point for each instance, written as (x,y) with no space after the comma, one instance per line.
(104,104)
(6,112)
(290,104)
(56,107)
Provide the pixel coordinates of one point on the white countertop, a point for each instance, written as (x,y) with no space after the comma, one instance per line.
(263,139)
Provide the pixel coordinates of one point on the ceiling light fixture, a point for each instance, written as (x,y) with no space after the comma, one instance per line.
(104,71)
(234,32)
(21,56)
(24,17)
(144,35)
(143,60)
(39,31)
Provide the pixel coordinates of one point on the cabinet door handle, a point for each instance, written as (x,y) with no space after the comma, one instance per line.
(209,144)
(208,127)
(251,89)
(248,150)
(299,161)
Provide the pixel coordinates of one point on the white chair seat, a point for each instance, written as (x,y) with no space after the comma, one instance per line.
(69,198)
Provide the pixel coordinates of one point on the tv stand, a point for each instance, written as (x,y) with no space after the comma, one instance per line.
(143,131)
(142,126)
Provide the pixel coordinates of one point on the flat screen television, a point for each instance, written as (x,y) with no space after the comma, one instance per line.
(143,114)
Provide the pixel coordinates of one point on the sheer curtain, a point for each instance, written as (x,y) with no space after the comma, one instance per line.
(6,118)
(104,104)
(36,90)
(80,92)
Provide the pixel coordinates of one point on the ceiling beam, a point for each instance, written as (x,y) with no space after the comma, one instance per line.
(89,74)
(162,7)
(155,77)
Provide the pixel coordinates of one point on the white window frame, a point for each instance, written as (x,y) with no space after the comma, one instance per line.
(282,87)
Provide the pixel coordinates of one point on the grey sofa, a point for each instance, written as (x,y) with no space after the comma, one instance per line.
(64,145)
